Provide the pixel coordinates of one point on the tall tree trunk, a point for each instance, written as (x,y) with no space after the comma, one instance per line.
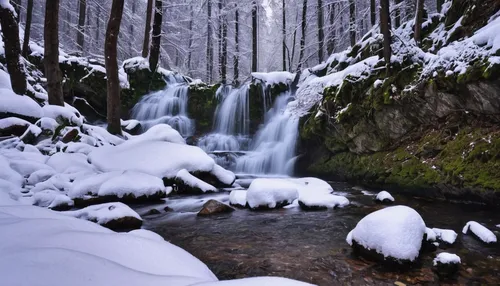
(154,57)
(284,35)
(236,60)
(303,26)
(210,51)
(17,7)
(147,30)
(439,5)
(294,42)
(131,30)
(331,35)
(224,51)
(10,35)
(27,29)
(190,44)
(98,23)
(51,55)
(418,21)
(397,14)
(373,13)
(80,38)
(110,55)
(352,22)
(321,33)
(385,29)
(254,37)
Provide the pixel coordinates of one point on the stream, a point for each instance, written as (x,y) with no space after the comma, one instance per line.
(311,246)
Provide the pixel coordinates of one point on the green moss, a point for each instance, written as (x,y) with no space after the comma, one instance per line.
(202,105)
(142,82)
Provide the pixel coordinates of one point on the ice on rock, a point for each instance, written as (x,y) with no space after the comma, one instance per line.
(480,231)
(446,258)
(271,193)
(384,196)
(104,213)
(394,232)
(238,198)
(446,235)
(13,121)
(186,180)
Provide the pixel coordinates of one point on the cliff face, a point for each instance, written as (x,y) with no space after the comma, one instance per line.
(430,126)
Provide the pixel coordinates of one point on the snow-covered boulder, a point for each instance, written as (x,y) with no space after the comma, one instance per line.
(48,125)
(446,265)
(115,216)
(13,126)
(63,115)
(392,235)
(187,183)
(479,231)
(131,126)
(20,106)
(271,193)
(384,197)
(447,236)
(52,199)
(322,201)
(213,207)
(238,198)
(159,132)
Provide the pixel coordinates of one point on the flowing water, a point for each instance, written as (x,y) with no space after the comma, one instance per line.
(311,246)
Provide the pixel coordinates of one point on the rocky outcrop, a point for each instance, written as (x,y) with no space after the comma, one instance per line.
(202,105)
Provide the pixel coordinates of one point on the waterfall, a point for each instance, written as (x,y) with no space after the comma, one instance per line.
(166,106)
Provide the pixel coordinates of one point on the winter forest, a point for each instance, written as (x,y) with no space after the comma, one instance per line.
(252,143)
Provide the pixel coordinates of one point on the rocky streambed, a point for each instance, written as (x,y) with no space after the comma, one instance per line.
(311,246)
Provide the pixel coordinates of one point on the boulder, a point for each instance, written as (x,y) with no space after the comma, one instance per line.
(71,136)
(123,224)
(384,197)
(213,207)
(446,265)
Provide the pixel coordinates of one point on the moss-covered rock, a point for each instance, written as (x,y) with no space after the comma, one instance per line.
(202,105)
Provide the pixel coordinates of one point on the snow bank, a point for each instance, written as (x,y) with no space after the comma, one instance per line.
(160,159)
(446,235)
(69,163)
(238,198)
(18,104)
(52,199)
(395,232)
(384,196)
(446,258)
(480,231)
(8,174)
(104,213)
(271,193)
(185,178)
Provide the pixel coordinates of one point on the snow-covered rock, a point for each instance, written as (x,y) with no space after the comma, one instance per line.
(13,126)
(20,106)
(160,132)
(67,115)
(226,177)
(393,234)
(115,216)
(187,183)
(8,174)
(271,193)
(322,201)
(384,197)
(48,125)
(69,163)
(238,198)
(481,232)
(446,265)
(52,199)
(445,235)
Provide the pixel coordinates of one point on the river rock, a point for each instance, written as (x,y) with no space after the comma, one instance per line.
(123,224)
(446,265)
(384,197)
(214,207)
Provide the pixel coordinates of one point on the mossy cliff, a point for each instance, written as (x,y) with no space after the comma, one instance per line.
(432,134)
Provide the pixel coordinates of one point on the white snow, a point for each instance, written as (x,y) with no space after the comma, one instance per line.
(27,167)
(480,231)
(272,78)
(13,121)
(51,199)
(269,193)
(446,235)
(238,198)
(69,163)
(159,132)
(66,114)
(431,235)
(130,124)
(190,180)
(225,176)
(18,104)
(8,174)
(324,200)
(395,232)
(384,195)
(103,213)
(46,123)
(446,258)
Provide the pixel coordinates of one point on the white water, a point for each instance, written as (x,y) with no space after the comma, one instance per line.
(166,106)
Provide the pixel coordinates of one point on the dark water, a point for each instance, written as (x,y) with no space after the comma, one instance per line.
(311,247)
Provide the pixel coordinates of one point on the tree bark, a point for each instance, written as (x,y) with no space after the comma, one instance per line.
(131,30)
(331,35)
(254,37)
(321,33)
(110,55)
(98,23)
(27,29)
(397,14)
(236,60)
(51,55)
(17,7)
(147,30)
(190,44)
(80,38)
(154,57)
(352,22)
(418,21)
(224,51)
(303,36)
(210,51)
(373,13)
(284,34)
(10,35)
(385,29)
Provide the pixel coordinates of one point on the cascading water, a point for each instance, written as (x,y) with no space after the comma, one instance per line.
(166,106)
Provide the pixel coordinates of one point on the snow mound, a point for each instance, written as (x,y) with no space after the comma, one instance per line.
(104,213)
(159,132)
(323,201)
(185,178)
(52,199)
(63,114)
(8,174)
(69,163)
(224,176)
(13,121)
(431,235)
(446,258)
(480,231)
(238,198)
(446,235)
(271,193)
(384,196)
(12,103)
(395,232)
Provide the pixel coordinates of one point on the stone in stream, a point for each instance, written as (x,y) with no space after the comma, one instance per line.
(153,212)
(214,207)
(446,265)
(384,197)
(480,232)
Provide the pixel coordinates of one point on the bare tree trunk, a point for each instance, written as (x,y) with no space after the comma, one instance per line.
(98,23)
(131,30)
(110,55)
(236,60)
(17,7)
(51,56)
(373,13)
(210,51)
(303,36)
(147,30)
(284,35)
(321,33)
(27,29)
(224,51)
(154,57)
(385,29)
(10,34)
(254,37)
(80,38)
(331,35)
(352,22)
(190,44)
(397,14)
(418,21)
(294,42)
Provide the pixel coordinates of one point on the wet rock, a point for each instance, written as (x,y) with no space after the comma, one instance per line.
(71,136)
(168,209)
(214,207)
(127,199)
(123,224)
(153,212)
